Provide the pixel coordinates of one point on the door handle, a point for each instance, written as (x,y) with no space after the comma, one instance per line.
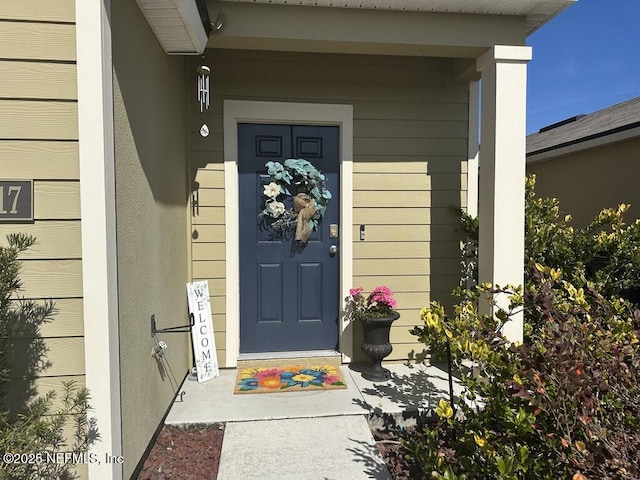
(333,249)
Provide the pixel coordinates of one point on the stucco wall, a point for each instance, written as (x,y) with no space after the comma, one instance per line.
(39,141)
(410,150)
(151,196)
(586,182)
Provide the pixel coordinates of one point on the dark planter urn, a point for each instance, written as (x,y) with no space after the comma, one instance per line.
(376,346)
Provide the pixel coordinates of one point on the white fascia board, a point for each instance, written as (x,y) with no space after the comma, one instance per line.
(191,17)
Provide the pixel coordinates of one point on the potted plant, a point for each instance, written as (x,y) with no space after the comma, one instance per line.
(376,312)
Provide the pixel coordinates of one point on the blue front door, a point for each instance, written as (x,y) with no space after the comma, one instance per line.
(289,297)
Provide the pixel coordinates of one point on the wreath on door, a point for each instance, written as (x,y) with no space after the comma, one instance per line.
(295,199)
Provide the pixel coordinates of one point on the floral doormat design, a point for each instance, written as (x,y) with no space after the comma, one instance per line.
(288,379)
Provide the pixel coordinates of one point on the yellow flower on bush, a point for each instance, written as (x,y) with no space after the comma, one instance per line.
(481,442)
(444,409)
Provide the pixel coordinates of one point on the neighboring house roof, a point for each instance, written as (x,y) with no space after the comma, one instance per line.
(182,26)
(612,124)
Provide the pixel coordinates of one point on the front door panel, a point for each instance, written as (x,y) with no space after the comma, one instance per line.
(288,291)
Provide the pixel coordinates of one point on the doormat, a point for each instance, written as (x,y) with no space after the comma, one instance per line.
(289,379)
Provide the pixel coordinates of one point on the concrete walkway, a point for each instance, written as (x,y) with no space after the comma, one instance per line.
(316,435)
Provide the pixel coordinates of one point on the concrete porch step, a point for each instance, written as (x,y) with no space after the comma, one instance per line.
(411,390)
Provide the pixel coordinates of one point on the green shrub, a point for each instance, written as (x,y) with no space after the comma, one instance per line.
(606,252)
(564,404)
(35,428)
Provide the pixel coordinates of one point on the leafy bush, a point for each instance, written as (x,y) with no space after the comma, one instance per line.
(37,428)
(605,252)
(564,404)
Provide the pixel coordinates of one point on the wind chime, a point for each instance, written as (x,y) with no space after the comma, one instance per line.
(204,94)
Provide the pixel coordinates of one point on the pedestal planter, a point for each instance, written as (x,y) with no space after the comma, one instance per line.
(376,346)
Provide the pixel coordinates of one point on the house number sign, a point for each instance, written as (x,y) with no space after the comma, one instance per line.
(16,200)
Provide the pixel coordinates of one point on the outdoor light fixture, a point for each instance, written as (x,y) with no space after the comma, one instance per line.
(204,16)
(219,21)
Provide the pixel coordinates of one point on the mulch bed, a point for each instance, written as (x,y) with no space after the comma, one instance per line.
(193,453)
(186,452)
(388,443)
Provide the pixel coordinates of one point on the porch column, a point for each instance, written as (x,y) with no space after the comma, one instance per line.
(99,258)
(502,172)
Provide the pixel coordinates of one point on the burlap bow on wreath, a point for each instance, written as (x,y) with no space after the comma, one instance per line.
(305,207)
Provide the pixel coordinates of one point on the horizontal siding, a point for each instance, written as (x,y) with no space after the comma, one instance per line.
(413,164)
(405,249)
(57,200)
(35,80)
(397,181)
(209,216)
(381,267)
(67,320)
(401,147)
(207,251)
(37,41)
(45,120)
(373,198)
(208,233)
(52,278)
(410,146)
(54,239)
(38,141)
(40,159)
(405,233)
(42,384)
(216,285)
(437,129)
(212,178)
(38,10)
(65,356)
(390,216)
(209,269)
(406,215)
(211,197)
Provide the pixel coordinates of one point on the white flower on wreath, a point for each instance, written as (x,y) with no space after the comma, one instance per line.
(272,190)
(277,209)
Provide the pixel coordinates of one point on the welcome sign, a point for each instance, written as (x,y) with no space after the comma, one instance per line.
(204,346)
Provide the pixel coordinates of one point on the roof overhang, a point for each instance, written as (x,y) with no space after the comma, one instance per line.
(181,26)
(630,132)
(536,12)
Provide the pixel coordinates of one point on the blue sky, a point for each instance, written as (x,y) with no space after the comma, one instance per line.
(585,59)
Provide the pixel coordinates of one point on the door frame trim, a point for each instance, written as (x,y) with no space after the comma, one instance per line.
(246,111)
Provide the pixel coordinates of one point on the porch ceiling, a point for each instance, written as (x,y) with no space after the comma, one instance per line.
(536,12)
(178,24)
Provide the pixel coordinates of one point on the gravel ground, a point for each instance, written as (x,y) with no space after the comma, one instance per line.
(193,453)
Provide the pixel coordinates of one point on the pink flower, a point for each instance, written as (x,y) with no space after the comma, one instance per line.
(384,295)
(329,379)
(272,372)
(378,303)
